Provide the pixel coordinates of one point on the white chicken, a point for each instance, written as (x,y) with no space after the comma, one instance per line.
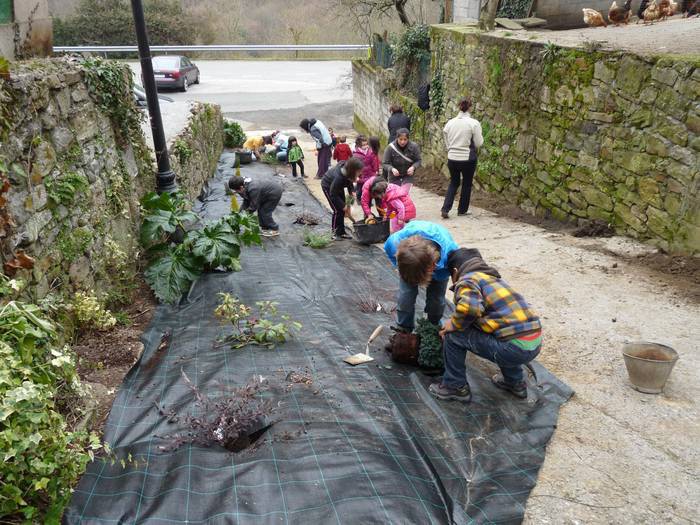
(593,18)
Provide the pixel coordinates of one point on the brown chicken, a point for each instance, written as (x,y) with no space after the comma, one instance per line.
(593,18)
(664,9)
(620,15)
(651,13)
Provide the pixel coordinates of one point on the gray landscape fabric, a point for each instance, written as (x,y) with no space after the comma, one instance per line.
(357,445)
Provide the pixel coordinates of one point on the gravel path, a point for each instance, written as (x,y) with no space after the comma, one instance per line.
(675,36)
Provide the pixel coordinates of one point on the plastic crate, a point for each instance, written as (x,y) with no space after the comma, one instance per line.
(371,233)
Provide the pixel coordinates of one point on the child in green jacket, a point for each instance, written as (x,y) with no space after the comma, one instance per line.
(295,156)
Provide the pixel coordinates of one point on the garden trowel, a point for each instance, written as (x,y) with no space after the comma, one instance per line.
(361,358)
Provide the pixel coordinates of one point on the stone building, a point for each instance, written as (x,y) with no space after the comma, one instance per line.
(25,28)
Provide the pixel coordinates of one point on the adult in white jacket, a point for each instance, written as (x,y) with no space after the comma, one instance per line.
(463,138)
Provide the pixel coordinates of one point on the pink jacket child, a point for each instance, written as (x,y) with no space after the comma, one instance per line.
(366,198)
(370,163)
(398,205)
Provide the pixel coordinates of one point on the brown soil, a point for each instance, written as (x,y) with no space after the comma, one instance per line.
(104,358)
(404,348)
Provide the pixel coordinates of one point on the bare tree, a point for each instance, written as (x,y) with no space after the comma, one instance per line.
(366,10)
(487,18)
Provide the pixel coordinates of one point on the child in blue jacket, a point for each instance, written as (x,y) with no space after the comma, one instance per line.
(420,252)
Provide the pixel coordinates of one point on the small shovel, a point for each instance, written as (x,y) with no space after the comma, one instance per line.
(361,358)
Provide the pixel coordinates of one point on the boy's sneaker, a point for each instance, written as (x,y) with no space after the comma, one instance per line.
(342,236)
(269,233)
(451,394)
(445,215)
(517,389)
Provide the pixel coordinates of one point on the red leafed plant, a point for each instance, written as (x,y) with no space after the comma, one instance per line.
(231,420)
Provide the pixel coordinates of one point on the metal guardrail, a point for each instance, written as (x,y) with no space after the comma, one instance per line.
(222,47)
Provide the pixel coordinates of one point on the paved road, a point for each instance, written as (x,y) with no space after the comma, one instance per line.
(254,92)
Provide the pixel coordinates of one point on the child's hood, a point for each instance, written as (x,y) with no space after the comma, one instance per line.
(394,191)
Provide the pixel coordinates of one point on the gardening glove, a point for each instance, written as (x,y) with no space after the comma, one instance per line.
(234,204)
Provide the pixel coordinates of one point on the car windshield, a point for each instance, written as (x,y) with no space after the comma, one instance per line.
(166,62)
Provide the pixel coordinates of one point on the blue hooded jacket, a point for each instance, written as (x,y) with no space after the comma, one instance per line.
(430,231)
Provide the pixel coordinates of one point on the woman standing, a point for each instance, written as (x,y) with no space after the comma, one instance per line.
(462,138)
(319,132)
(397,121)
(401,158)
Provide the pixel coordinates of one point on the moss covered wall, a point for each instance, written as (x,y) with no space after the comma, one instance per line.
(569,133)
(194,153)
(76,165)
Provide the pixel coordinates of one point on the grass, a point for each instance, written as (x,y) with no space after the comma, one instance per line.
(317,240)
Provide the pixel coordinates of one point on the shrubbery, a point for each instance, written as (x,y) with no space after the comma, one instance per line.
(42,457)
(234,136)
(110,22)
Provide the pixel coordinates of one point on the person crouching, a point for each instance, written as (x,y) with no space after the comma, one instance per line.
(396,203)
(261,195)
(340,177)
(491,320)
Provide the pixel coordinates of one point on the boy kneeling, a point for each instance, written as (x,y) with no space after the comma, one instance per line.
(491,320)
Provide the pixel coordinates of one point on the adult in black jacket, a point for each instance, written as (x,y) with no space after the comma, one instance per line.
(397,120)
(261,195)
(341,176)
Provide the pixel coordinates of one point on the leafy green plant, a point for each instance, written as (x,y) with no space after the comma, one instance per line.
(413,44)
(412,53)
(65,187)
(550,52)
(73,243)
(163,214)
(264,326)
(110,84)
(317,240)
(430,348)
(182,150)
(178,257)
(118,190)
(234,136)
(270,158)
(42,457)
(90,313)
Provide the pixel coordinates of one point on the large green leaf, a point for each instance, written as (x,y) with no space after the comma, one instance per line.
(158,201)
(161,222)
(245,226)
(216,244)
(156,224)
(171,275)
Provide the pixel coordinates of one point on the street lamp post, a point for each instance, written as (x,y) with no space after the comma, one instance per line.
(165,178)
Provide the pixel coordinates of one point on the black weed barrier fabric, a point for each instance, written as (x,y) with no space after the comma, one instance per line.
(357,445)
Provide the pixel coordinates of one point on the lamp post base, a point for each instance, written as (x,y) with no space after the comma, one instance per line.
(165,182)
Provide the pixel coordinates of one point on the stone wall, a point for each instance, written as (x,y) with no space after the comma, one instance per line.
(570,134)
(76,172)
(195,151)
